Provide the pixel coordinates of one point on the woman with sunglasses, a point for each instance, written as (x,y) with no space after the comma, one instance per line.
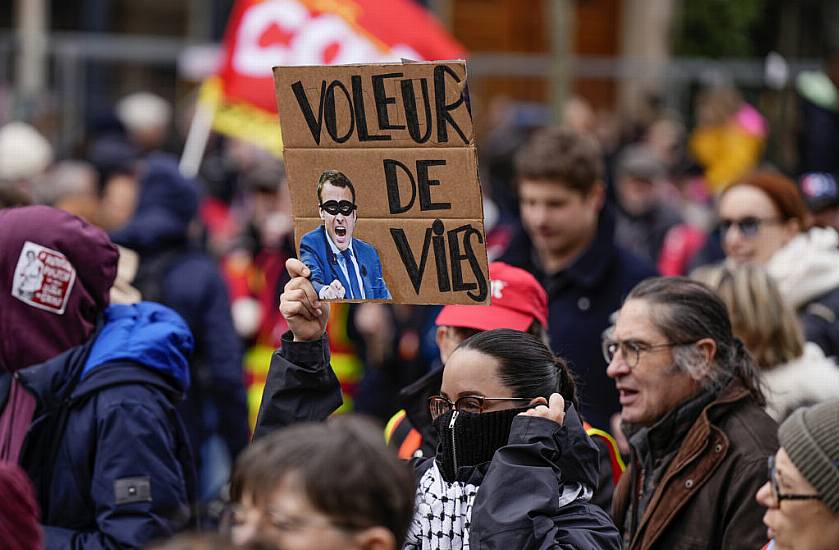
(764,221)
(802,494)
(514,467)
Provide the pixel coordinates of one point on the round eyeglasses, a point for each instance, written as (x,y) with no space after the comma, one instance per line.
(438,405)
(631,350)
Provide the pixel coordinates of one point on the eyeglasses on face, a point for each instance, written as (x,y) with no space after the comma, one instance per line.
(235,515)
(631,350)
(291,524)
(438,405)
(334,207)
(748,226)
(776,490)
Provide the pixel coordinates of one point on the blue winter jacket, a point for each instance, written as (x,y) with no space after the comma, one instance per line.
(106,448)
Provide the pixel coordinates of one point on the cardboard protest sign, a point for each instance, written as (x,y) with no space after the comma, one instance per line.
(383,178)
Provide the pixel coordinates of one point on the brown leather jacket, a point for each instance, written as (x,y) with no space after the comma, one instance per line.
(706,496)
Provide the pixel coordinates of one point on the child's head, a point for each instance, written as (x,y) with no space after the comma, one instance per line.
(331,485)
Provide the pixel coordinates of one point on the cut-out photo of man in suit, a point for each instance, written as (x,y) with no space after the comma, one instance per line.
(342,267)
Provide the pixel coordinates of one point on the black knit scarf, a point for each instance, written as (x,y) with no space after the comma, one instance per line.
(472,440)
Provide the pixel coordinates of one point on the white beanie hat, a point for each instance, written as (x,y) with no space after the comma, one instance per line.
(24,152)
(143,111)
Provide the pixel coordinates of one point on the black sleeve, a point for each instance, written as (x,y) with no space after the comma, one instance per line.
(519,502)
(301,386)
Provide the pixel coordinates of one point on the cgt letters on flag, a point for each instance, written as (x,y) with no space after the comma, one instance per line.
(262,33)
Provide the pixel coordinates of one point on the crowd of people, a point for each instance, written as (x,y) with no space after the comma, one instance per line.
(657,368)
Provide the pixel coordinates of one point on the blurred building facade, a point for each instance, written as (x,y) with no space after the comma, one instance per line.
(615,54)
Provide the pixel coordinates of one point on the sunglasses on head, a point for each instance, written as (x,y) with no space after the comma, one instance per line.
(748,226)
(334,207)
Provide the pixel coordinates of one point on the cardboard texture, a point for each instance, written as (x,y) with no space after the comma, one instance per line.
(396,105)
(402,135)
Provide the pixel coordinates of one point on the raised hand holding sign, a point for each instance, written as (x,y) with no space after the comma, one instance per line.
(299,304)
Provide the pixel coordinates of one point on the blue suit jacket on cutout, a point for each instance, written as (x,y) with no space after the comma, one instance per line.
(316,253)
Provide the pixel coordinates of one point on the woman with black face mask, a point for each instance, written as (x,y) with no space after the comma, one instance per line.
(514,468)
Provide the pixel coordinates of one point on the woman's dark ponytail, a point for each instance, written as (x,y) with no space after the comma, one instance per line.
(566,385)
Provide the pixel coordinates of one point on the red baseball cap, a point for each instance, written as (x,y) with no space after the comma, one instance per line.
(517,299)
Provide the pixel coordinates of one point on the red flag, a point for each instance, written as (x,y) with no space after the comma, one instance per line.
(265,33)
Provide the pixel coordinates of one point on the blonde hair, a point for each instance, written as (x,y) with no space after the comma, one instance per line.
(759,316)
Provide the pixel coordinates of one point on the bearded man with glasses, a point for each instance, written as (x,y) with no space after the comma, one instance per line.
(691,406)
(342,266)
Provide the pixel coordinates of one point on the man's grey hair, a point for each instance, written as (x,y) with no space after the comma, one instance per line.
(687,311)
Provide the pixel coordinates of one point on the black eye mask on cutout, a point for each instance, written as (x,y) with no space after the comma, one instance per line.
(334,207)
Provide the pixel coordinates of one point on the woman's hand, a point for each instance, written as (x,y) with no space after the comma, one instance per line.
(554,410)
(299,304)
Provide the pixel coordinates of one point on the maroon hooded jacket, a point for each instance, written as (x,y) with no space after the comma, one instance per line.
(56,273)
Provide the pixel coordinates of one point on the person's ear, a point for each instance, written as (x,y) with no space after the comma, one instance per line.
(375,538)
(536,401)
(708,350)
(440,336)
(445,343)
(792,227)
(597,196)
(321,213)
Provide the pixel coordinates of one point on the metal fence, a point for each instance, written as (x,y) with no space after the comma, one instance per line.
(73,57)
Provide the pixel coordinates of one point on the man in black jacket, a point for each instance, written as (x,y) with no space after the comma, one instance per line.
(567,242)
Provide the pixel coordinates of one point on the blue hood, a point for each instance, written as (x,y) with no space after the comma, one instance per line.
(166,205)
(148,334)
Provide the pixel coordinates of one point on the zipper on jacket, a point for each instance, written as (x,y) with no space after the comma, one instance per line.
(454,446)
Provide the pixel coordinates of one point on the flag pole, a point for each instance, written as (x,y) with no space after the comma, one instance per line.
(199,134)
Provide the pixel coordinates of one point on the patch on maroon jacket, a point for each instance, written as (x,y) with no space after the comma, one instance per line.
(43,278)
